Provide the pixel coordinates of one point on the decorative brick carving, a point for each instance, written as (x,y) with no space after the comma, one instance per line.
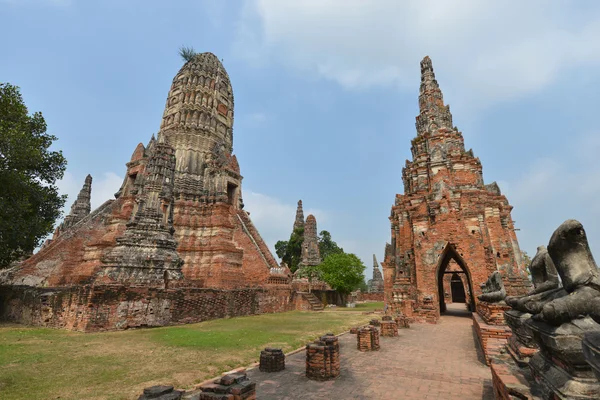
(176,222)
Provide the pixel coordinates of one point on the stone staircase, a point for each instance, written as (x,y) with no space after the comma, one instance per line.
(315,303)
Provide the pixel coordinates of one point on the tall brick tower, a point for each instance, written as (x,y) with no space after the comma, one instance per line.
(446,213)
(178,218)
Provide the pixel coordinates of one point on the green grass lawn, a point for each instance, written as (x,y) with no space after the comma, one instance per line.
(371,306)
(39,363)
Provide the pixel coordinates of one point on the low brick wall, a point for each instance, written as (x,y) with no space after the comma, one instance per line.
(509,381)
(375,296)
(104,307)
(491,337)
(492,313)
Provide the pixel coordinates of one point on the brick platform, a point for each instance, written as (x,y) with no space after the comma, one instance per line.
(367,339)
(492,313)
(389,328)
(272,360)
(490,336)
(323,358)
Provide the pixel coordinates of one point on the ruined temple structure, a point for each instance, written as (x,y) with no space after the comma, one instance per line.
(174,245)
(446,213)
(376,284)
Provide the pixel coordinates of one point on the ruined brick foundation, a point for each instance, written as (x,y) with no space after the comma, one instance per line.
(367,339)
(323,358)
(92,308)
(271,360)
(490,327)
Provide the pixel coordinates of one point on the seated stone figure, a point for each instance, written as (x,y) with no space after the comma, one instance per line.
(493,289)
(560,367)
(545,282)
(579,273)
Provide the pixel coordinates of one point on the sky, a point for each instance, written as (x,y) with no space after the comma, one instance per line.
(326,98)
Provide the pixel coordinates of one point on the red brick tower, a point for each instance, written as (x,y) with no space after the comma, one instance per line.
(446,213)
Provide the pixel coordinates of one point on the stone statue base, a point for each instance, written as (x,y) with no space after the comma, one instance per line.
(560,366)
(520,345)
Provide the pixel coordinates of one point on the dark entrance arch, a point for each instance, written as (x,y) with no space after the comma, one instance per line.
(457,289)
(449,253)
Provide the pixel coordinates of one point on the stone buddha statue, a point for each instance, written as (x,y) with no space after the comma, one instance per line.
(579,273)
(563,321)
(545,282)
(493,289)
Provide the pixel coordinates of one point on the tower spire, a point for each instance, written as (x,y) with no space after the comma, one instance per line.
(433,114)
(299,222)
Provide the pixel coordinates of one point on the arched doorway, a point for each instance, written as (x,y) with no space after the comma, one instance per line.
(457,289)
(465,291)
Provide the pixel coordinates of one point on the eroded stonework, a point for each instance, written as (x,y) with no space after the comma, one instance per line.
(176,222)
(446,213)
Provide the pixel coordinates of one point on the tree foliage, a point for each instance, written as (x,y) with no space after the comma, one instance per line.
(344,272)
(311,272)
(187,53)
(29,199)
(290,251)
(327,246)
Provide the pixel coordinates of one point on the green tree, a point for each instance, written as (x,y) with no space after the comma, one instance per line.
(311,272)
(29,199)
(344,272)
(327,246)
(290,251)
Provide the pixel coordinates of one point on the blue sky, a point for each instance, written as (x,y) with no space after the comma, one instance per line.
(326,98)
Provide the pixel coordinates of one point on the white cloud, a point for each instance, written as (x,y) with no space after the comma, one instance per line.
(551,191)
(488,51)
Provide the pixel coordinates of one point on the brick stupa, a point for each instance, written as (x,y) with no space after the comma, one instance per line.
(176,221)
(446,213)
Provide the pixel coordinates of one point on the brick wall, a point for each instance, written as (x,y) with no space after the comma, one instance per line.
(105,307)
(378,296)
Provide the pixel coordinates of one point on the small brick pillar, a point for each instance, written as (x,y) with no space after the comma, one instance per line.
(402,322)
(389,328)
(367,339)
(232,387)
(271,360)
(323,358)
(374,322)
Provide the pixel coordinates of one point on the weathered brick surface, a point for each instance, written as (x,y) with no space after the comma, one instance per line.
(323,358)
(271,360)
(492,313)
(98,308)
(367,339)
(370,296)
(446,213)
(181,200)
(491,338)
(389,328)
